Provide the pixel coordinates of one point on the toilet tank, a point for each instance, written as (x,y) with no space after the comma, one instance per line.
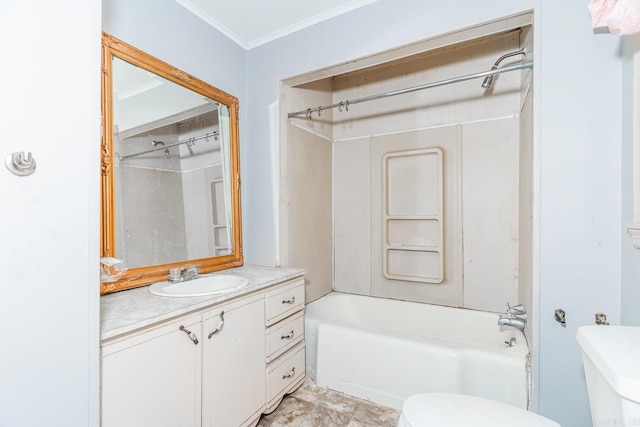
(611,356)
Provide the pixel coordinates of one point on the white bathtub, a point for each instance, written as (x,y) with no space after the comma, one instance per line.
(385,350)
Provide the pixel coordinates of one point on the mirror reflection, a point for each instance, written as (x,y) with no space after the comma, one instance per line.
(171,198)
(171,170)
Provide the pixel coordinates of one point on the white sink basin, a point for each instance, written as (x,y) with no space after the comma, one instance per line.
(202,286)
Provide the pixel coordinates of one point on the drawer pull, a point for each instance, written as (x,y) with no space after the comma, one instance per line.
(290,374)
(220,326)
(288,336)
(291,300)
(190,334)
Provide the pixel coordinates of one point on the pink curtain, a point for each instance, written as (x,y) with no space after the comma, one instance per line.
(619,16)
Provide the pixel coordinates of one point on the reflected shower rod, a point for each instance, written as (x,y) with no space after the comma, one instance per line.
(345,104)
(206,136)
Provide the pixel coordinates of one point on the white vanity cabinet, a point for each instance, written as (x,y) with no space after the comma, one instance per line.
(221,364)
(153,377)
(233,363)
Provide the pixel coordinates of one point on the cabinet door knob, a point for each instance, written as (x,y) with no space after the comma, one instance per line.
(190,334)
(289,301)
(288,336)
(220,326)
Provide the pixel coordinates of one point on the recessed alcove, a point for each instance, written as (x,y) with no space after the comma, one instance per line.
(423,196)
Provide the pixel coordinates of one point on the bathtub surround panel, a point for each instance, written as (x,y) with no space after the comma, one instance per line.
(463,251)
(525,213)
(446,289)
(490,184)
(310,225)
(352,206)
(526,207)
(147,237)
(143,239)
(305,189)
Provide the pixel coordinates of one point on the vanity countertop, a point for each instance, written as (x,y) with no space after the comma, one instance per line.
(125,311)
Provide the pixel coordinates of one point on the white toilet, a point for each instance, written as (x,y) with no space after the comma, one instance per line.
(458,410)
(611,356)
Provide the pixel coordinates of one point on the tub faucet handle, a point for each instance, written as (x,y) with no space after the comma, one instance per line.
(521,316)
(515,309)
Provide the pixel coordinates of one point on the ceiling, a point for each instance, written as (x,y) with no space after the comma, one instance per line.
(251,23)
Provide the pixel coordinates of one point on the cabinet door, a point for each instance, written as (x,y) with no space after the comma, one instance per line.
(153,378)
(234,363)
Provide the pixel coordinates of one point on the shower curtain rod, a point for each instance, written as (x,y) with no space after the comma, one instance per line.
(345,104)
(206,137)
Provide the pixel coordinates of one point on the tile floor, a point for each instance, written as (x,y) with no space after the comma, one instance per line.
(313,406)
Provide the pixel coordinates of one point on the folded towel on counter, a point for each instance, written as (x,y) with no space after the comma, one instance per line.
(619,16)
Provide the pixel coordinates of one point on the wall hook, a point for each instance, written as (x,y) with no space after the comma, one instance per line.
(20,163)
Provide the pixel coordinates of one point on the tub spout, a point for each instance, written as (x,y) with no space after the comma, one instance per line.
(511,320)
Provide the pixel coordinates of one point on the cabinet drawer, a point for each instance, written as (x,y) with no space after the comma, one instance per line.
(284,335)
(283,302)
(285,373)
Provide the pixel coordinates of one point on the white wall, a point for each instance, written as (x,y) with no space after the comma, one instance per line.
(577,225)
(49,294)
(630,256)
(169,32)
(579,205)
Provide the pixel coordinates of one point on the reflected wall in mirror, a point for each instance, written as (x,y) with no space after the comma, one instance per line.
(170,170)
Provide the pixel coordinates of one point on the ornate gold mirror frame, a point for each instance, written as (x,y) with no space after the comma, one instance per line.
(146,274)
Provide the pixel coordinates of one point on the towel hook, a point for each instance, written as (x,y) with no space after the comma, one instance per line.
(20,163)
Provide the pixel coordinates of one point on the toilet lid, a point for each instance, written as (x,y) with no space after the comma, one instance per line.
(457,410)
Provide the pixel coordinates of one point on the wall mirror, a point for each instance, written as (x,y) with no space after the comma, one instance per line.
(170,170)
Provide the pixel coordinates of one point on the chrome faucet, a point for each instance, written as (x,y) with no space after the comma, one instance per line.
(516,317)
(183,274)
(507,320)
